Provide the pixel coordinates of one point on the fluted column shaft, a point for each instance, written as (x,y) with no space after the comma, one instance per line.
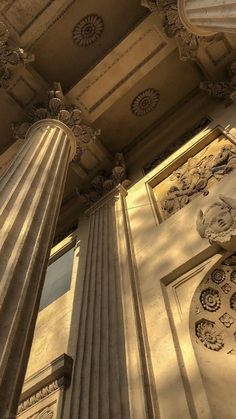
(30,196)
(204,17)
(108,379)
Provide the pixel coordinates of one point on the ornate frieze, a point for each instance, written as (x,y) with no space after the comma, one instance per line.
(88,30)
(10,56)
(145,102)
(56,108)
(41,394)
(196,176)
(218,223)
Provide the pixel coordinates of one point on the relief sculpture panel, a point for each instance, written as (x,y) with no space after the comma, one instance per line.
(196,176)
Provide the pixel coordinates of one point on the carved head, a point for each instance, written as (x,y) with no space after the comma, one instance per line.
(218,222)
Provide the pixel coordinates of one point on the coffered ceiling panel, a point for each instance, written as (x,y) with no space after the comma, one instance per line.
(82,36)
(149,100)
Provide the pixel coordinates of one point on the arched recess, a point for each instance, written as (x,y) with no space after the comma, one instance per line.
(213,334)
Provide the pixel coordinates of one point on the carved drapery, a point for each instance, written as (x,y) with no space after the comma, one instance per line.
(207,16)
(10,56)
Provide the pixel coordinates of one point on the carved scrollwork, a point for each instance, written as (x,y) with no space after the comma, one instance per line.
(10,56)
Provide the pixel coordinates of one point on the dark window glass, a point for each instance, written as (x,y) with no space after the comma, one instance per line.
(58,279)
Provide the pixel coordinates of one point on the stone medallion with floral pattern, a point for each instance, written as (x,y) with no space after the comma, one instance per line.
(145,102)
(213,309)
(88,30)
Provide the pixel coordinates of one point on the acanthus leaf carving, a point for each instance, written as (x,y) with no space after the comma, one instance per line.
(102,183)
(188,43)
(56,108)
(222,89)
(10,56)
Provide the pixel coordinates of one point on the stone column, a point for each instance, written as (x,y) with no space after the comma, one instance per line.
(109,376)
(30,196)
(205,17)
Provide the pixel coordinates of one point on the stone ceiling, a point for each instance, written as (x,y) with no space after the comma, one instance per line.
(113,60)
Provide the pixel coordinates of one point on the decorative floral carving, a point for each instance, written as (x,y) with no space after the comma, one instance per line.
(10,56)
(56,108)
(193,177)
(218,276)
(88,30)
(222,90)
(226,319)
(208,334)
(40,395)
(210,299)
(188,43)
(145,102)
(102,184)
(233,276)
(226,288)
(218,222)
(233,301)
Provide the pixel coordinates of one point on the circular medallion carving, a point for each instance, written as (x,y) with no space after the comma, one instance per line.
(218,276)
(210,299)
(233,301)
(208,334)
(145,102)
(88,30)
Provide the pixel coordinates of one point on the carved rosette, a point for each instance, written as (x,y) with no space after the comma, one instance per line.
(208,334)
(218,222)
(210,299)
(88,30)
(213,320)
(56,108)
(10,56)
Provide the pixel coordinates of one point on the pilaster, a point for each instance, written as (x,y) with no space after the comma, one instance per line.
(108,379)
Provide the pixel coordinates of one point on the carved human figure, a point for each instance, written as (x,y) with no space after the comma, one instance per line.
(218,222)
